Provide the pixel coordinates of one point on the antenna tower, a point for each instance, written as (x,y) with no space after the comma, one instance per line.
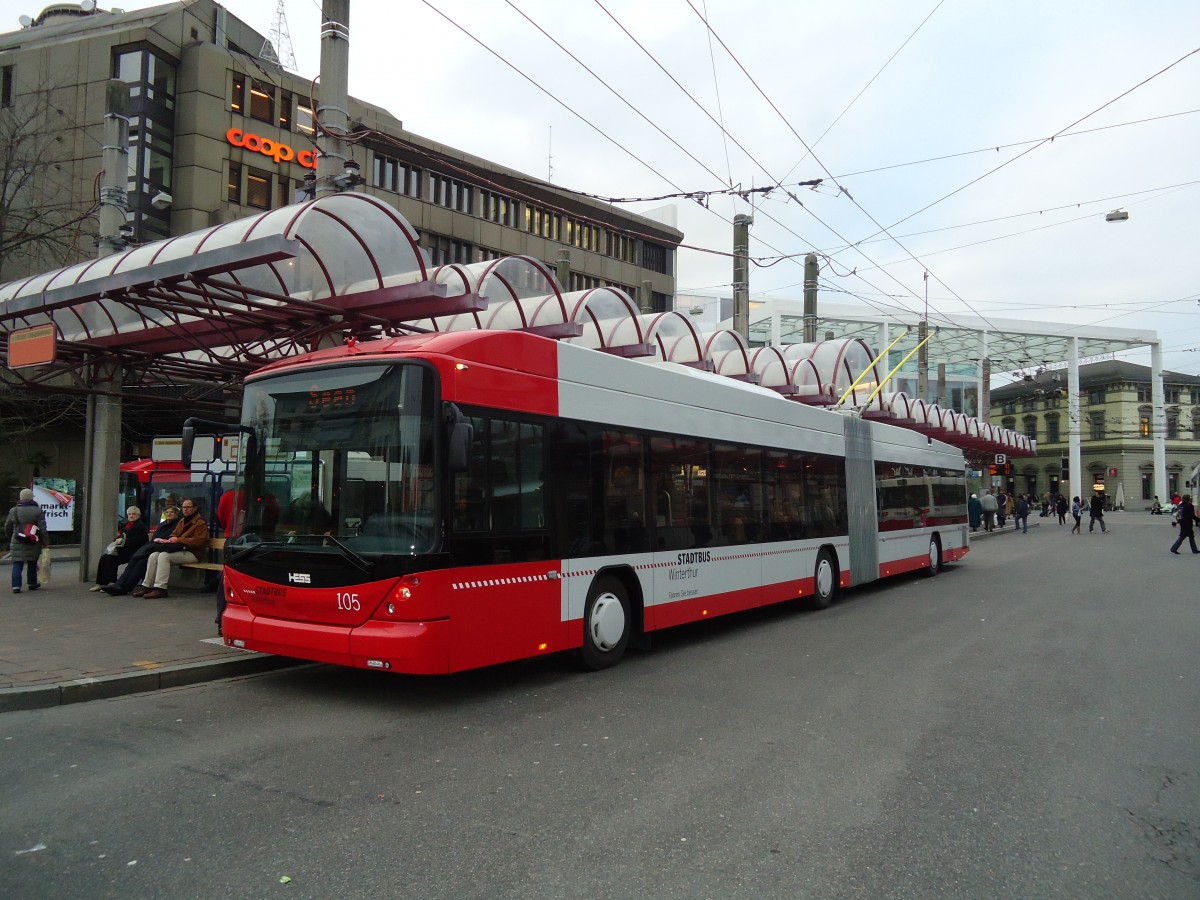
(281,38)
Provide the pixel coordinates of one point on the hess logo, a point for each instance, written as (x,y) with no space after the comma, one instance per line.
(299,578)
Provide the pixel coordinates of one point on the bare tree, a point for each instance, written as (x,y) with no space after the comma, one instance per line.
(44,223)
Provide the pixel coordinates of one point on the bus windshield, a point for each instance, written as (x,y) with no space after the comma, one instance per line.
(340,459)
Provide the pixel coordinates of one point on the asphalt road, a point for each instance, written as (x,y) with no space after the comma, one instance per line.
(1024,725)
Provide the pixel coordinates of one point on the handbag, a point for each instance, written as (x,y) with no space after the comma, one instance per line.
(28,534)
(43,565)
(111,549)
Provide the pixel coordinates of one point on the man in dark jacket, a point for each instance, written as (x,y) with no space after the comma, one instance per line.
(1096,508)
(1186,517)
(1021,515)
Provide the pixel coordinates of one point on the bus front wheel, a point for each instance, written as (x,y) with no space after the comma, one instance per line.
(825,580)
(606,624)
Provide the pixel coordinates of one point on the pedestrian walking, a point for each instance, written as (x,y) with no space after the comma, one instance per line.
(1077,512)
(1060,506)
(974,512)
(25,528)
(1096,508)
(1186,519)
(1021,515)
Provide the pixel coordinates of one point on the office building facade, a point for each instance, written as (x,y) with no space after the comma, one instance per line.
(218,131)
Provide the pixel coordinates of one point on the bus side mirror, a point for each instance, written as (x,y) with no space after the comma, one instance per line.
(185,449)
(459,451)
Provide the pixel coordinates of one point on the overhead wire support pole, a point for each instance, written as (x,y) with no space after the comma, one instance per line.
(870,366)
(907,357)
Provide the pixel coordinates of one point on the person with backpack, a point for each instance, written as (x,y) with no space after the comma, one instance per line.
(25,528)
(1185,517)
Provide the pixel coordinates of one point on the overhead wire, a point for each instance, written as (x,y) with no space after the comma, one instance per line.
(998,147)
(825,168)
(862,91)
(736,142)
(1040,143)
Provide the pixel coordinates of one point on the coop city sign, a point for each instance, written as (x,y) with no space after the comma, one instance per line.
(267,147)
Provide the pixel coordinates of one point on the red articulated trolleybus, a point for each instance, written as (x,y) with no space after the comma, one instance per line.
(438,502)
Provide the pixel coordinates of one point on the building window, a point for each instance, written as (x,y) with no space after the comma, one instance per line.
(285,110)
(498,208)
(1195,427)
(1009,407)
(1029,404)
(656,257)
(444,250)
(6,85)
(1172,428)
(1097,423)
(287,191)
(304,117)
(1195,398)
(1145,394)
(1171,395)
(1144,426)
(385,173)
(233,191)
(1052,435)
(450,192)
(258,189)
(1031,427)
(237,93)
(262,101)
(150,79)
(1096,396)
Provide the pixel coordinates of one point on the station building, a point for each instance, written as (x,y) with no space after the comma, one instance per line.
(218,130)
(1115,425)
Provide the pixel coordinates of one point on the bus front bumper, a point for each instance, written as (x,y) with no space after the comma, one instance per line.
(413,648)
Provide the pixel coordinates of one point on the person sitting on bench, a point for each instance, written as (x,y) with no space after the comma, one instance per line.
(136,570)
(185,545)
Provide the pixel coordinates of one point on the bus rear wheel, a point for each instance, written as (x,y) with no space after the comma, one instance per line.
(934,564)
(606,624)
(825,580)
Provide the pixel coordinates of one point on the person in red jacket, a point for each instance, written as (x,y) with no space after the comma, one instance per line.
(185,545)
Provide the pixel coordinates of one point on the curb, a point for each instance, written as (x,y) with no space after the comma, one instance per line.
(43,696)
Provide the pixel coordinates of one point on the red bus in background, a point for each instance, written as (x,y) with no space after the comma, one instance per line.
(434,503)
(163,480)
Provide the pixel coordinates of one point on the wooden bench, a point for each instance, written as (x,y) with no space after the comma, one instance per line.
(212,550)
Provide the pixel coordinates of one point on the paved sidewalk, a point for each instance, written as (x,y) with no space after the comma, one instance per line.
(64,644)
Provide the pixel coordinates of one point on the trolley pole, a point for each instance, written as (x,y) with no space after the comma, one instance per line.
(812,272)
(741,275)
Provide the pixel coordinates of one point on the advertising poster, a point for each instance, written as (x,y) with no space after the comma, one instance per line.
(56,497)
